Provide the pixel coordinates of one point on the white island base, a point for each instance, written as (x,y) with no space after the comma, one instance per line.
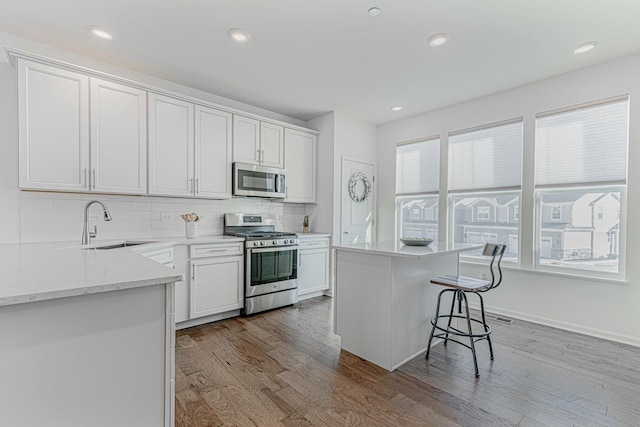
(384,301)
(87,338)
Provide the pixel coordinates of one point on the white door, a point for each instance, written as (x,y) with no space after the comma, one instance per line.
(212,153)
(300,165)
(170,146)
(118,138)
(271,145)
(53,107)
(357,225)
(246,140)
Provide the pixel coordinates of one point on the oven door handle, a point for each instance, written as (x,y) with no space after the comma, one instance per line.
(272,249)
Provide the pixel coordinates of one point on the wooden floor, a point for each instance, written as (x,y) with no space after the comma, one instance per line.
(285,367)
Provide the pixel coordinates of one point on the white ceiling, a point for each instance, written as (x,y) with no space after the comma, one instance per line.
(308,57)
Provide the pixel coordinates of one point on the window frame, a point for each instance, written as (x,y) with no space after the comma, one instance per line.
(596,186)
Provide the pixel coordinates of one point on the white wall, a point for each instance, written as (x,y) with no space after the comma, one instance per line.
(590,306)
(40,216)
(340,136)
(321,215)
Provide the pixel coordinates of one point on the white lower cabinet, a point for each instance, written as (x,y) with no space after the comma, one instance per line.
(313,265)
(216,282)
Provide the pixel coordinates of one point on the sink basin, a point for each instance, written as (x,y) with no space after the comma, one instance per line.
(124,244)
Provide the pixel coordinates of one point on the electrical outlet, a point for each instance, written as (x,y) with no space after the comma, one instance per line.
(166,217)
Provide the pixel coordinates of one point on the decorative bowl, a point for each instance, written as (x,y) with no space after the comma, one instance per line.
(416,241)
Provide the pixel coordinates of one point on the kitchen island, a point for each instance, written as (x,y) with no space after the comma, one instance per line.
(384,300)
(87,337)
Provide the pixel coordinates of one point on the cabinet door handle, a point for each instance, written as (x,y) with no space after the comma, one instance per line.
(262,161)
(258,152)
(93,174)
(193,272)
(197,186)
(191,185)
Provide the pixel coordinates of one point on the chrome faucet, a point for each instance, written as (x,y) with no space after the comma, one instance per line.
(86,234)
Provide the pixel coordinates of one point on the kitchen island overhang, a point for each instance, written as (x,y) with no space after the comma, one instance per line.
(88,337)
(384,301)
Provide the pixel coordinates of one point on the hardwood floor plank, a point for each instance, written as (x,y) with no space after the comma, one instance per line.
(285,367)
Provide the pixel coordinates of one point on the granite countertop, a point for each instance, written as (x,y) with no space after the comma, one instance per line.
(42,271)
(396,248)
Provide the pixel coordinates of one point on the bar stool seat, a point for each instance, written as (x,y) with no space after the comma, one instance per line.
(459,286)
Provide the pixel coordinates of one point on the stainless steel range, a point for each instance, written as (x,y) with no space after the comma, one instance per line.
(271,261)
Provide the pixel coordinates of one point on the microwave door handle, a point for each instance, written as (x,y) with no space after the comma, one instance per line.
(278,183)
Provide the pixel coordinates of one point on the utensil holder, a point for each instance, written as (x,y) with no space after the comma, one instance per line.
(191,229)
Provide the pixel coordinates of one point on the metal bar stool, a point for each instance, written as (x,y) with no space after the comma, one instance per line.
(459,286)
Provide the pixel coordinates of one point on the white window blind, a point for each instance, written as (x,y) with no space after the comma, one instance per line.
(418,167)
(583,146)
(486,159)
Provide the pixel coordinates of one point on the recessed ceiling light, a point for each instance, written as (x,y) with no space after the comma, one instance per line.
(585,47)
(396,108)
(238,35)
(374,11)
(101,33)
(438,39)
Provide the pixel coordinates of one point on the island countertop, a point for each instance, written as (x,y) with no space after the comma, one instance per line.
(43,271)
(395,248)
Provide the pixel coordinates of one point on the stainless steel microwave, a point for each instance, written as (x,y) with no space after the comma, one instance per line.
(258,181)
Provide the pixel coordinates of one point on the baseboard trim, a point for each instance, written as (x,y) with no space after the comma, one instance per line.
(571,327)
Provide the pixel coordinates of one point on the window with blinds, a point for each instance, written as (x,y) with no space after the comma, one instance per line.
(418,167)
(488,158)
(485,179)
(580,179)
(587,145)
(417,185)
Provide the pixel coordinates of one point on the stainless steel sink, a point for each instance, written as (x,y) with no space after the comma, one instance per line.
(124,244)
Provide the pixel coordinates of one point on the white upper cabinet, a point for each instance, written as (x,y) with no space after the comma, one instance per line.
(53,128)
(118,138)
(258,143)
(57,152)
(189,149)
(246,140)
(271,145)
(82,133)
(213,145)
(300,165)
(171,156)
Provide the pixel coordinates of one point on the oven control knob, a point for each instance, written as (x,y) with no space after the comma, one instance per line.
(285,242)
(255,243)
(275,242)
(262,243)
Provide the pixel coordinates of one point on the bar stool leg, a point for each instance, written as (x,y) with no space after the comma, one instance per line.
(453,304)
(434,321)
(471,340)
(484,322)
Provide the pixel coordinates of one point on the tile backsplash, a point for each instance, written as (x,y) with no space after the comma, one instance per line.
(59,216)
